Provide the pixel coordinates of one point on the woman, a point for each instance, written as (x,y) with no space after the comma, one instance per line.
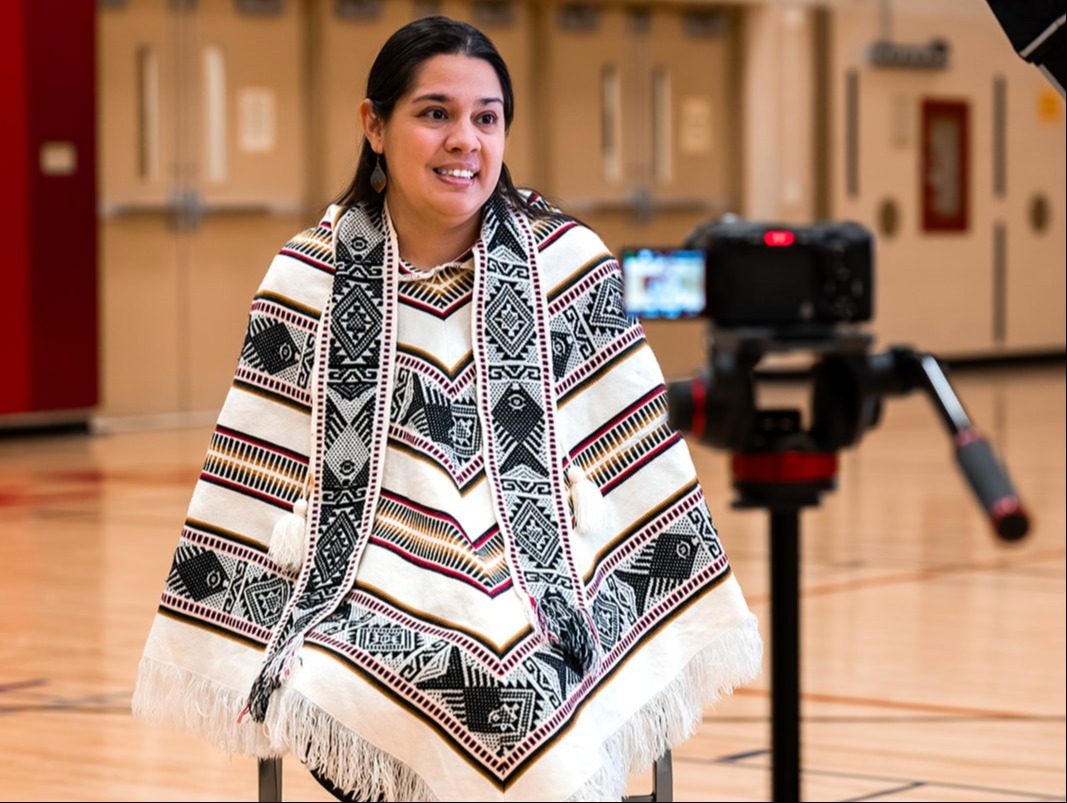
(444,545)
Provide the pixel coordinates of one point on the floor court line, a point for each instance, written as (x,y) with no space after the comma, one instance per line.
(874,702)
(922,575)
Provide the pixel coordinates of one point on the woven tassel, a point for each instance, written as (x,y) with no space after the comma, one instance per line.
(586,499)
(288,542)
(569,632)
(272,677)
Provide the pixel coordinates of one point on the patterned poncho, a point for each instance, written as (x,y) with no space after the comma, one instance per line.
(505,583)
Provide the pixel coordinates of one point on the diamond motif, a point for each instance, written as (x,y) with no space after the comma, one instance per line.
(535,534)
(509,322)
(607,312)
(335,545)
(265,598)
(356,325)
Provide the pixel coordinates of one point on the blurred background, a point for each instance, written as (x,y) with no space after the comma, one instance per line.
(158,153)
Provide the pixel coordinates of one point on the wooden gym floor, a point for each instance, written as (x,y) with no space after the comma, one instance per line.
(933,654)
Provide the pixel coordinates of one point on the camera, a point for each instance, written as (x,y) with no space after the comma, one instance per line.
(768,288)
(739,273)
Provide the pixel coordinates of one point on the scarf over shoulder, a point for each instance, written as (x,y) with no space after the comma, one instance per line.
(611,619)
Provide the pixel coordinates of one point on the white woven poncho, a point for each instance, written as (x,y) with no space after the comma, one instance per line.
(506,584)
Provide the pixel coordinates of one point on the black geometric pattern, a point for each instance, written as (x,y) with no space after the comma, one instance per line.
(673,555)
(539,538)
(380,640)
(509,322)
(552,677)
(218,576)
(275,357)
(200,573)
(518,397)
(274,347)
(266,597)
(614,609)
(353,394)
(355,326)
(500,716)
(334,548)
(588,318)
(607,313)
(562,348)
(519,421)
(502,703)
(438,418)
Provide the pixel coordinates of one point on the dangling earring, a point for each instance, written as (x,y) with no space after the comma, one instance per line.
(378,178)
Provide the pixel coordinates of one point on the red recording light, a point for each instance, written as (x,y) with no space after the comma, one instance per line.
(779,237)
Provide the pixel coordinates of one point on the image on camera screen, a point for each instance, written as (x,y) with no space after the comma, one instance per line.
(663,282)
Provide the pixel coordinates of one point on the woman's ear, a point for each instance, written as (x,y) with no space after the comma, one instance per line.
(372,124)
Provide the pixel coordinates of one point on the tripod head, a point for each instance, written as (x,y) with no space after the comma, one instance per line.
(778,463)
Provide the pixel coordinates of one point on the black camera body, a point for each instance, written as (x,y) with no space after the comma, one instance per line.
(759,274)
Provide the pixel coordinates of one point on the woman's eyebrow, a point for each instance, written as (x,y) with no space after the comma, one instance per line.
(436,97)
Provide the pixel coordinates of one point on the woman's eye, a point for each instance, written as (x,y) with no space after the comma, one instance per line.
(435,114)
(489,118)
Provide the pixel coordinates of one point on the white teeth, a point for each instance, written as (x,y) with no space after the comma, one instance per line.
(468,174)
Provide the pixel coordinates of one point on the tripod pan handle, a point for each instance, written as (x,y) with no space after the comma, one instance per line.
(990,483)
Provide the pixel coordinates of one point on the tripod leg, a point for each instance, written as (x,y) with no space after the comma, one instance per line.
(785,655)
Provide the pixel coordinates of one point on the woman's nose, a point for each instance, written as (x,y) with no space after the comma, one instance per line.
(462,137)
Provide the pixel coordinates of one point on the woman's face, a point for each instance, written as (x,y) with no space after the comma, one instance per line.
(444,144)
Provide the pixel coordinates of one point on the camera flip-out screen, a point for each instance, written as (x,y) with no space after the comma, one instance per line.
(663,282)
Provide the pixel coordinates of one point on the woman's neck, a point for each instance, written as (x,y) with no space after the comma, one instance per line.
(426,246)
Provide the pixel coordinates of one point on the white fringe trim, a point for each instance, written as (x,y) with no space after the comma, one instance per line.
(672,716)
(172,695)
(175,696)
(350,762)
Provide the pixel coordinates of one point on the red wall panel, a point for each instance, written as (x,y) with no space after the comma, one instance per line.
(50,273)
(14,211)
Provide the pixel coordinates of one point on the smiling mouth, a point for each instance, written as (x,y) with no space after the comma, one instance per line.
(467,174)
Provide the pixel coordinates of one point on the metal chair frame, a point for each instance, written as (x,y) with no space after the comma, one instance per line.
(270,781)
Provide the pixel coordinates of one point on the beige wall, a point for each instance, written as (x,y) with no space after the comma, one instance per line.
(202,178)
(778,113)
(694,125)
(935,290)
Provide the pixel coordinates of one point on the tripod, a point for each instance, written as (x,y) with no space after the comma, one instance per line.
(782,467)
(784,482)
